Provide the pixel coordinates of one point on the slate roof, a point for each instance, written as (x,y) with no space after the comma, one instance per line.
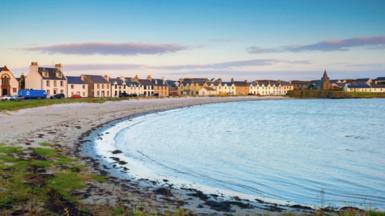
(240,83)
(199,81)
(130,82)
(171,83)
(270,82)
(358,85)
(96,78)
(145,82)
(74,80)
(362,80)
(117,81)
(380,78)
(52,73)
(158,82)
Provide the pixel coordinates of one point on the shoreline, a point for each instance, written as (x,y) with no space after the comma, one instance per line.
(67,125)
(218,201)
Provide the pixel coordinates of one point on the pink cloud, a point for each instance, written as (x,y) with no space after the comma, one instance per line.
(100,48)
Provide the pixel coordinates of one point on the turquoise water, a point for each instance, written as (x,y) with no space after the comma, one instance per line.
(310,152)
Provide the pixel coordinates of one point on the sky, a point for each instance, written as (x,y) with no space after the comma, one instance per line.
(240,39)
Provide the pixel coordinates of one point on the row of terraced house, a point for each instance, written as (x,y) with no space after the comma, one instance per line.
(54,81)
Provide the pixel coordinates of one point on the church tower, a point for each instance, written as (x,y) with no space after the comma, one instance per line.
(325,82)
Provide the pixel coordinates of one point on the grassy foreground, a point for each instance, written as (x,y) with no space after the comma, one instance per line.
(43,181)
(334,94)
(22,104)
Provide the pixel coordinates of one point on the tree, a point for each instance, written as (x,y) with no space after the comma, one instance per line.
(22,81)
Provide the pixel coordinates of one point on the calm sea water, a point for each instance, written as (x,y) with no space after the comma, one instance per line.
(311,152)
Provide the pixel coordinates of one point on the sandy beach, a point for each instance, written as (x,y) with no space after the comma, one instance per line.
(65,125)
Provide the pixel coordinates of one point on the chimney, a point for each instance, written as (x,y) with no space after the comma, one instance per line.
(34,67)
(82,77)
(232,80)
(136,78)
(149,77)
(107,77)
(58,66)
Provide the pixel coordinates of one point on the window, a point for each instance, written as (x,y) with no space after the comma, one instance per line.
(84,94)
(72,86)
(83,86)
(61,83)
(14,90)
(48,92)
(47,83)
(62,91)
(58,74)
(54,91)
(97,86)
(54,83)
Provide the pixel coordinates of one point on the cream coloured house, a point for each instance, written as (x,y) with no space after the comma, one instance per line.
(52,80)
(118,87)
(207,91)
(76,86)
(8,83)
(98,86)
(223,88)
(270,87)
(134,88)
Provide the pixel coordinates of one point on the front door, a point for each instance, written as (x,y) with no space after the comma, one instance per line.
(5,85)
(4,92)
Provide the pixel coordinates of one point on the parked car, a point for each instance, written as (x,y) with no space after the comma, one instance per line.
(16,97)
(124,94)
(32,94)
(5,97)
(58,96)
(76,96)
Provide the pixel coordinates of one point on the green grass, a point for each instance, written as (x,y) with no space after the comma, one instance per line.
(333,94)
(65,182)
(34,174)
(22,104)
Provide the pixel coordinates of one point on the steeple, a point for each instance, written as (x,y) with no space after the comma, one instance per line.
(325,82)
(325,75)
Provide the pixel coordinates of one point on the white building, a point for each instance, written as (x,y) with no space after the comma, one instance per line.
(76,86)
(118,87)
(207,91)
(269,87)
(52,80)
(364,87)
(223,88)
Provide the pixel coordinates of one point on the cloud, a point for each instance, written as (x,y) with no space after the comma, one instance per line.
(368,65)
(93,48)
(187,67)
(328,45)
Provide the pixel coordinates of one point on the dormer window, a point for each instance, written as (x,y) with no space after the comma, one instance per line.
(45,74)
(58,74)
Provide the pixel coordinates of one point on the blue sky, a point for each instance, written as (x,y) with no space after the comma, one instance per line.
(244,39)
